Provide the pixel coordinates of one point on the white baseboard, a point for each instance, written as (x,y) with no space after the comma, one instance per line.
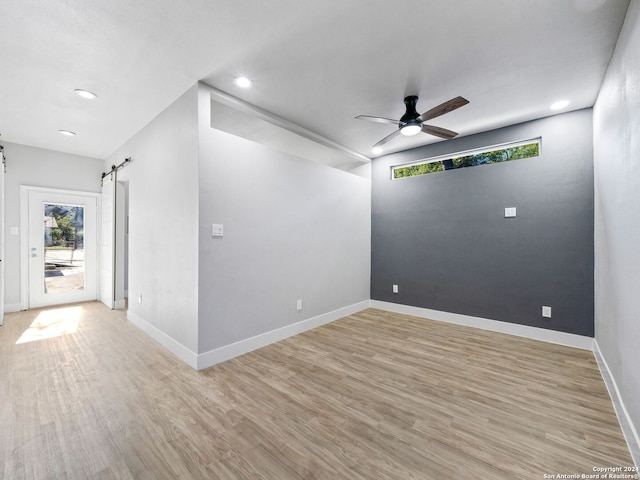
(626,424)
(12,307)
(175,347)
(241,347)
(550,336)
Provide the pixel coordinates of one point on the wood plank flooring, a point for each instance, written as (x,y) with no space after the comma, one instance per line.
(372,396)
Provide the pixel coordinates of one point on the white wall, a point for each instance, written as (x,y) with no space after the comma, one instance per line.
(293,229)
(163,222)
(41,168)
(617,218)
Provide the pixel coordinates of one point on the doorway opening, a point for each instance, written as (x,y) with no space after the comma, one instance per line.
(122,245)
(114,242)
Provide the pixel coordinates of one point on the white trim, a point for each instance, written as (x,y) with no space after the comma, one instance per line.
(534,333)
(24,247)
(175,347)
(241,347)
(11,307)
(626,424)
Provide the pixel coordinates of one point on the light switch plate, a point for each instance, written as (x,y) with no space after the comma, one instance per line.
(509,212)
(546,311)
(217,230)
(14,231)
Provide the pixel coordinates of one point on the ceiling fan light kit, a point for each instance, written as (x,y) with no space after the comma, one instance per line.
(412,127)
(411,123)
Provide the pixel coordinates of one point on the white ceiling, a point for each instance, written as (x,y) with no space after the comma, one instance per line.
(317,64)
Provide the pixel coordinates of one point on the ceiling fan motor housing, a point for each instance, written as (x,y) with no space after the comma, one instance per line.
(409,123)
(411,113)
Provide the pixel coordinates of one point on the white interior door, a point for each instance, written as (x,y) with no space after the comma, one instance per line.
(120,239)
(62,249)
(112,243)
(1,237)
(106,242)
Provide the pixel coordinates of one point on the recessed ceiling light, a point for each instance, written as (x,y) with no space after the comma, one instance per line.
(559,104)
(85,94)
(376,150)
(67,133)
(243,82)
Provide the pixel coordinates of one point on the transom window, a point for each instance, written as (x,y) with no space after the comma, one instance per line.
(470,158)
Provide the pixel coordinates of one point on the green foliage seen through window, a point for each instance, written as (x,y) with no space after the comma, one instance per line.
(472,160)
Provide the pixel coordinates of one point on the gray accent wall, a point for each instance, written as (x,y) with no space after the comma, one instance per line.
(444,240)
(617,222)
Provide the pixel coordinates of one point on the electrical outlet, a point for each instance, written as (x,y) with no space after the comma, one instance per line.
(299,305)
(395,289)
(546,311)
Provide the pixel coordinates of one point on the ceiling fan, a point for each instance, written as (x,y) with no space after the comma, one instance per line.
(412,122)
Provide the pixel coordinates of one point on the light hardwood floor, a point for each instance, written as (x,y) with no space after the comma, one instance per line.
(372,396)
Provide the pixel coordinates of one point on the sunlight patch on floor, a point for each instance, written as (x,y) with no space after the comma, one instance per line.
(52,323)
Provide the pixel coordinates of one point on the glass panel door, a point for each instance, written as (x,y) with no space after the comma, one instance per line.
(62,254)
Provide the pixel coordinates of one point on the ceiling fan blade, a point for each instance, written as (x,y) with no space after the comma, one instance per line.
(438,131)
(443,108)
(378,119)
(387,139)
